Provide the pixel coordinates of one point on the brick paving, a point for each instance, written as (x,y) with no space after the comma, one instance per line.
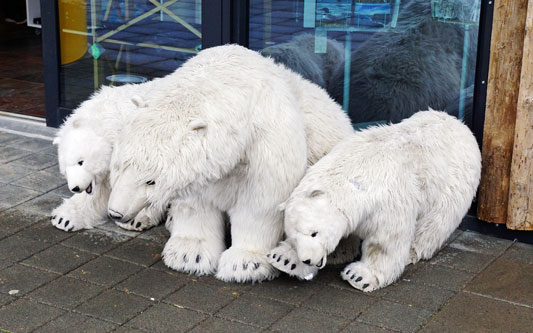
(107,279)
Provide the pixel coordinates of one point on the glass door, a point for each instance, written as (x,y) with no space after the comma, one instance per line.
(382,60)
(113,42)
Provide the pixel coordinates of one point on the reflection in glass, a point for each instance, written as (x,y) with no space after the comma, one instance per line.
(382,60)
(113,42)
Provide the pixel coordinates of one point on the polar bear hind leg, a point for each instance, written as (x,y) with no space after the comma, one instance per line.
(196,237)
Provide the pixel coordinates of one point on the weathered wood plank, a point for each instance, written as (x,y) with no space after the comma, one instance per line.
(520,210)
(500,116)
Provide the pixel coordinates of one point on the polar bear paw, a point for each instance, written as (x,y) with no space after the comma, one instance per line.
(360,277)
(193,256)
(68,218)
(285,258)
(238,265)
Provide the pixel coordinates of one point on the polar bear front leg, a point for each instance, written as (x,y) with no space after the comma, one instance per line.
(382,262)
(196,237)
(252,238)
(82,210)
(147,218)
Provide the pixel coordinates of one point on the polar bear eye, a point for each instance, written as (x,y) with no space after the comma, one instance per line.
(150,182)
(80,162)
(314,234)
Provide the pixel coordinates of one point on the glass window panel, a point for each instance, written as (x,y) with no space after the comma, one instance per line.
(382,60)
(113,42)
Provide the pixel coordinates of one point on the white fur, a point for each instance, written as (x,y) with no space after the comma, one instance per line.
(87,138)
(402,188)
(228,131)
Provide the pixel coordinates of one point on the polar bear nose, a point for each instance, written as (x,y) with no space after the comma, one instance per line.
(76,189)
(307,262)
(114,214)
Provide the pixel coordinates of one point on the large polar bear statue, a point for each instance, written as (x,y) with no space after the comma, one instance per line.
(403,189)
(407,68)
(85,143)
(229,131)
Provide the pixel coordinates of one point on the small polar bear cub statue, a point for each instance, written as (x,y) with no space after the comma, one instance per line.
(85,143)
(403,189)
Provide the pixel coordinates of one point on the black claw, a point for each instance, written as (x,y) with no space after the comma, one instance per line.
(365,285)
(293,267)
(352,277)
(60,220)
(54,217)
(132,222)
(66,223)
(185,258)
(244,267)
(138,225)
(69,230)
(286,262)
(347,272)
(279,259)
(198,258)
(358,279)
(274,256)
(256,265)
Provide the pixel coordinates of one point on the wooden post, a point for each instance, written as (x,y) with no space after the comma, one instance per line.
(520,210)
(500,115)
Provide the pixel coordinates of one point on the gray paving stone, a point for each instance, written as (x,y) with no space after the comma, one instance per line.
(214,324)
(471,313)
(203,297)
(105,271)
(474,242)
(340,302)
(35,161)
(95,241)
(62,191)
(308,320)
(152,283)
(505,279)
(111,227)
(59,259)
(358,327)
(286,289)
(9,173)
(4,299)
(15,248)
(138,251)
(75,322)
(8,154)
(520,252)
(65,292)
(54,169)
(25,315)
(23,278)
(166,318)
(13,220)
(255,311)
(395,316)
(444,277)
(158,234)
(462,260)
(32,144)
(123,329)
(331,275)
(44,232)
(52,150)
(41,181)
(15,195)
(43,204)
(9,138)
(422,296)
(115,306)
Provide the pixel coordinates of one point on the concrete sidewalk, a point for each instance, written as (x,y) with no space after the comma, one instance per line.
(108,279)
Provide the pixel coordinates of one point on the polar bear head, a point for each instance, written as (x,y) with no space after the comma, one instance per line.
(168,149)
(313,223)
(83,155)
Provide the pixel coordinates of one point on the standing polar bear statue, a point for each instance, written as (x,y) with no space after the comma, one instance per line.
(403,189)
(85,143)
(229,131)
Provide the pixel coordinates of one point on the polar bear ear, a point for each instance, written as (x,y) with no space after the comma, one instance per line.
(197,125)
(315,193)
(138,101)
(56,141)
